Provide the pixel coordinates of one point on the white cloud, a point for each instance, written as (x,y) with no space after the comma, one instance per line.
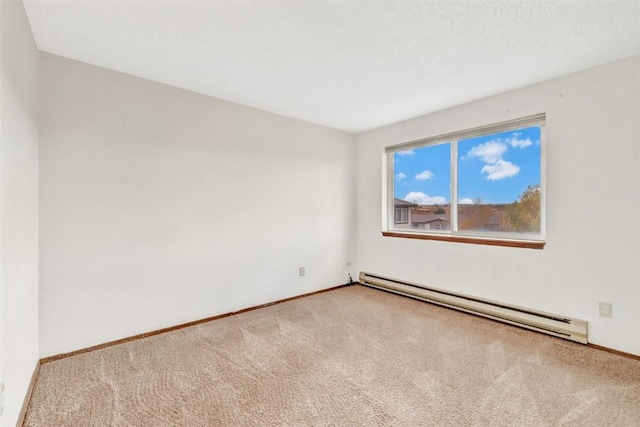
(521,143)
(406,153)
(400,176)
(425,175)
(500,169)
(490,152)
(420,198)
(466,201)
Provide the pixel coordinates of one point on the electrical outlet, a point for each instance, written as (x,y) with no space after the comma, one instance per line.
(605,309)
(301,271)
(1,398)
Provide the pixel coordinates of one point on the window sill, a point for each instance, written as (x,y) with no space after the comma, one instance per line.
(527,244)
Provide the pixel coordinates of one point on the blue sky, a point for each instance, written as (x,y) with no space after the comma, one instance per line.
(496,168)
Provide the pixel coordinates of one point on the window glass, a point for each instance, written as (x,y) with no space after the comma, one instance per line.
(499,182)
(423,178)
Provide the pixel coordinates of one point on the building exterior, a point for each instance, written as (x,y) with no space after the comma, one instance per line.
(402,213)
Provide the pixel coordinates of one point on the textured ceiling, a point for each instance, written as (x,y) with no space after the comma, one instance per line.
(353,66)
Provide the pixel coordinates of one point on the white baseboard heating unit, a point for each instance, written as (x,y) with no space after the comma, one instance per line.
(552,324)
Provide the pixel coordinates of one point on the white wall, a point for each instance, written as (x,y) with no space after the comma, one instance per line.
(18,207)
(593,226)
(160,206)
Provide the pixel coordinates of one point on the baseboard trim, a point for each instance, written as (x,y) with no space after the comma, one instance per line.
(27,397)
(617,352)
(176,327)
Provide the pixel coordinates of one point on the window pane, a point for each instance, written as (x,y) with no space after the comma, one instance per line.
(499,182)
(422,179)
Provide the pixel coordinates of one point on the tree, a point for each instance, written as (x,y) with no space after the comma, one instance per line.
(524,214)
(475,216)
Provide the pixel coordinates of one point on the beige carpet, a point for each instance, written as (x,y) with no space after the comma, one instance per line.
(348,357)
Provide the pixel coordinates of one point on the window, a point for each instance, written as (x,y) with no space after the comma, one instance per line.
(439,225)
(483,185)
(401,215)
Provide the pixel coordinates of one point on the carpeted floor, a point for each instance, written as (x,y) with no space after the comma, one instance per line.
(349,357)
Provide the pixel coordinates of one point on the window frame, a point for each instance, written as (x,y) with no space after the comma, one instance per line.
(454,234)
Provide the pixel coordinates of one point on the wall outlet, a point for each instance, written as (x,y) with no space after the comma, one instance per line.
(1,398)
(301,271)
(605,309)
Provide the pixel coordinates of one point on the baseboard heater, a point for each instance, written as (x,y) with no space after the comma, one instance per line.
(552,324)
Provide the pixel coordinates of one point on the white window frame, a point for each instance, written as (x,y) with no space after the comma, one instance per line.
(535,241)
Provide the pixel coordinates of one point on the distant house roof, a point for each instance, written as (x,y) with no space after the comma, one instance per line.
(496,218)
(400,202)
(425,218)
